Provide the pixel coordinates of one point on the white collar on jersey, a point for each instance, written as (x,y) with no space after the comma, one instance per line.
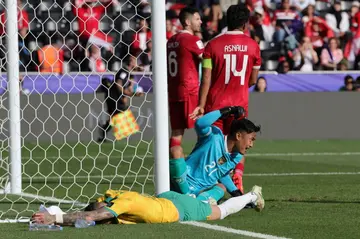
(234,32)
(226,148)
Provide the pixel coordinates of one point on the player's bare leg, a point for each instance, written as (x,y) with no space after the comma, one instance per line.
(177,163)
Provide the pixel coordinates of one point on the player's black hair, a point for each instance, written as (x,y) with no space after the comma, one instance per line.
(237,16)
(186,13)
(243,125)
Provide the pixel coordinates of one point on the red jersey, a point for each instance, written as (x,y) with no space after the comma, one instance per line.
(355,23)
(282,15)
(183,51)
(252,4)
(233,56)
(23,21)
(140,40)
(89,18)
(317,29)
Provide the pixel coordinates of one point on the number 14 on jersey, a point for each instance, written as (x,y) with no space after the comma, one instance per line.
(230,68)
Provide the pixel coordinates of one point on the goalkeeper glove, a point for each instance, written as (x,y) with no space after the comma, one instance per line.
(237,111)
(237,179)
(236,193)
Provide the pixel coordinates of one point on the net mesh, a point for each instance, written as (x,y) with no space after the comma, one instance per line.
(69,54)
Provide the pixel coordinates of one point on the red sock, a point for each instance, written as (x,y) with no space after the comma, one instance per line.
(239,169)
(174,142)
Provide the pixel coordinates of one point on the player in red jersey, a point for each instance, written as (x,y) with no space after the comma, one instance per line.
(184,52)
(230,66)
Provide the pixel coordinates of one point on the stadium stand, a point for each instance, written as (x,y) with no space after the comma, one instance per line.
(318,20)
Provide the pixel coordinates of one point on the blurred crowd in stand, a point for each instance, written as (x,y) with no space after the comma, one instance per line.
(98,35)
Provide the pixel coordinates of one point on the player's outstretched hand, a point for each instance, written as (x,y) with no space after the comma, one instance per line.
(197,113)
(43,218)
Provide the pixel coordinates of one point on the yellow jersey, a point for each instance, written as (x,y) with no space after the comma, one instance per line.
(132,207)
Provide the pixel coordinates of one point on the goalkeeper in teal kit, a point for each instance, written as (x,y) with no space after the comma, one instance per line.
(210,162)
(213,157)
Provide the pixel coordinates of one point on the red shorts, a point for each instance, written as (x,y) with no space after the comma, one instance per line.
(180,111)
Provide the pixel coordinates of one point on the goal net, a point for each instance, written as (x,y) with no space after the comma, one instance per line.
(69,54)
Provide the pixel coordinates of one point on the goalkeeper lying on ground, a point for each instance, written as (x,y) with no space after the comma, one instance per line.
(126,207)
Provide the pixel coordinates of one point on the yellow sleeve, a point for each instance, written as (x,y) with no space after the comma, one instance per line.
(109,196)
(100,199)
(112,194)
(119,206)
(207,63)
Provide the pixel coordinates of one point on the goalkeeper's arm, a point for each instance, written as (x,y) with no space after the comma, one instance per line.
(230,186)
(203,124)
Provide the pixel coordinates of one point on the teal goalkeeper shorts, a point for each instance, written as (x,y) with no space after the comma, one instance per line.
(190,209)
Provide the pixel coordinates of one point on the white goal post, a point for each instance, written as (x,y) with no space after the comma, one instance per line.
(50,121)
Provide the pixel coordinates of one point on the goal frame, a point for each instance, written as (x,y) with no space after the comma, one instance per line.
(159,76)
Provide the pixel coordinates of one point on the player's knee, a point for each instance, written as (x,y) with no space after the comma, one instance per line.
(220,185)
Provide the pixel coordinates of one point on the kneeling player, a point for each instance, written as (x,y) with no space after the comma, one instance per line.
(125,207)
(231,65)
(214,156)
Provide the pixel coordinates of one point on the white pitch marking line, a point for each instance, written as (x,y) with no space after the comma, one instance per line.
(303,154)
(151,176)
(232,230)
(247,155)
(300,174)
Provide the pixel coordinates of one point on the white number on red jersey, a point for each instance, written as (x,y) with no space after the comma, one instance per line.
(173,64)
(230,67)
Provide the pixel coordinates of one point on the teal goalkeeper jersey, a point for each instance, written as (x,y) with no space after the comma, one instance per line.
(210,162)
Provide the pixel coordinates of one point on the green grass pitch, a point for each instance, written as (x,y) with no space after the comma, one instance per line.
(305,198)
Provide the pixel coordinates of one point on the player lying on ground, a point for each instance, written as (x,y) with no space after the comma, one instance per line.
(214,156)
(184,52)
(230,66)
(125,207)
